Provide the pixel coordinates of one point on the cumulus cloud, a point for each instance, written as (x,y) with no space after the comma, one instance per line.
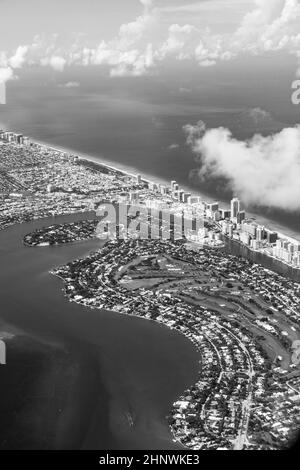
(262,170)
(274,25)
(173,147)
(180,43)
(270,26)
(142,44)
(19,57)
(70,85)
(147,3)
(6,73)
(56,62)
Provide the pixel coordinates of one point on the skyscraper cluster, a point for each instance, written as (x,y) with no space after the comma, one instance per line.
(13,137)
(288,252)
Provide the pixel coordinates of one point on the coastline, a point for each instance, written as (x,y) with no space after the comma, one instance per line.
(283,231)
(163,323)
(184,329)
(101,161)
(122,347)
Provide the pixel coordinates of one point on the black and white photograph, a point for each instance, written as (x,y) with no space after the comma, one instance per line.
(149,228)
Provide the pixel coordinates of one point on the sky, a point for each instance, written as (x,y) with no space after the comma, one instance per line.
(137,37)
(173,55)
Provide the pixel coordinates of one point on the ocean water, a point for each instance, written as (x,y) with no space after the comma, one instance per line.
(139,124)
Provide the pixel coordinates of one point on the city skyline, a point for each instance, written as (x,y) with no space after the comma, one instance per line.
(172,57)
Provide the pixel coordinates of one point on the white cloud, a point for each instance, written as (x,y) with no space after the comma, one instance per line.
(147,3)
(6,73)
(173,147)
(141,45)
(19,58)
(70,85)
(262,170)
(274,25)
(56,62)
(180,43)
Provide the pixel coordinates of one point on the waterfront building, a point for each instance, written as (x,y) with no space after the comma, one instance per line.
(194,200)
(175,188)
(272,237)
(181,195)
(225,213)
(152,186)
(172,185)
(287,252)
(213,207)
(249,228)
(240,217)
(256,244)
(138,179)
(245,238)
(235,207)
(260,233)
(224,227)
(217,216)
(186,197)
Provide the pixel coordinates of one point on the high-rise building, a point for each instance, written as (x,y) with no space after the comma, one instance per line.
(152,186)
(216,216)
(256,244)
(181,195)
(194,200)
(186,197)
(249,228)
(225,214)
(224,227)
(245,238)
(213,207)
(172,185)
(230,231)
(241,215)
(260,233)
(175,190)
(235,207)
(272,237)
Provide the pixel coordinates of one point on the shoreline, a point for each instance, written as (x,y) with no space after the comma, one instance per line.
(159,322)
(183,328)
(101,161)
(92,332)
(283,231)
